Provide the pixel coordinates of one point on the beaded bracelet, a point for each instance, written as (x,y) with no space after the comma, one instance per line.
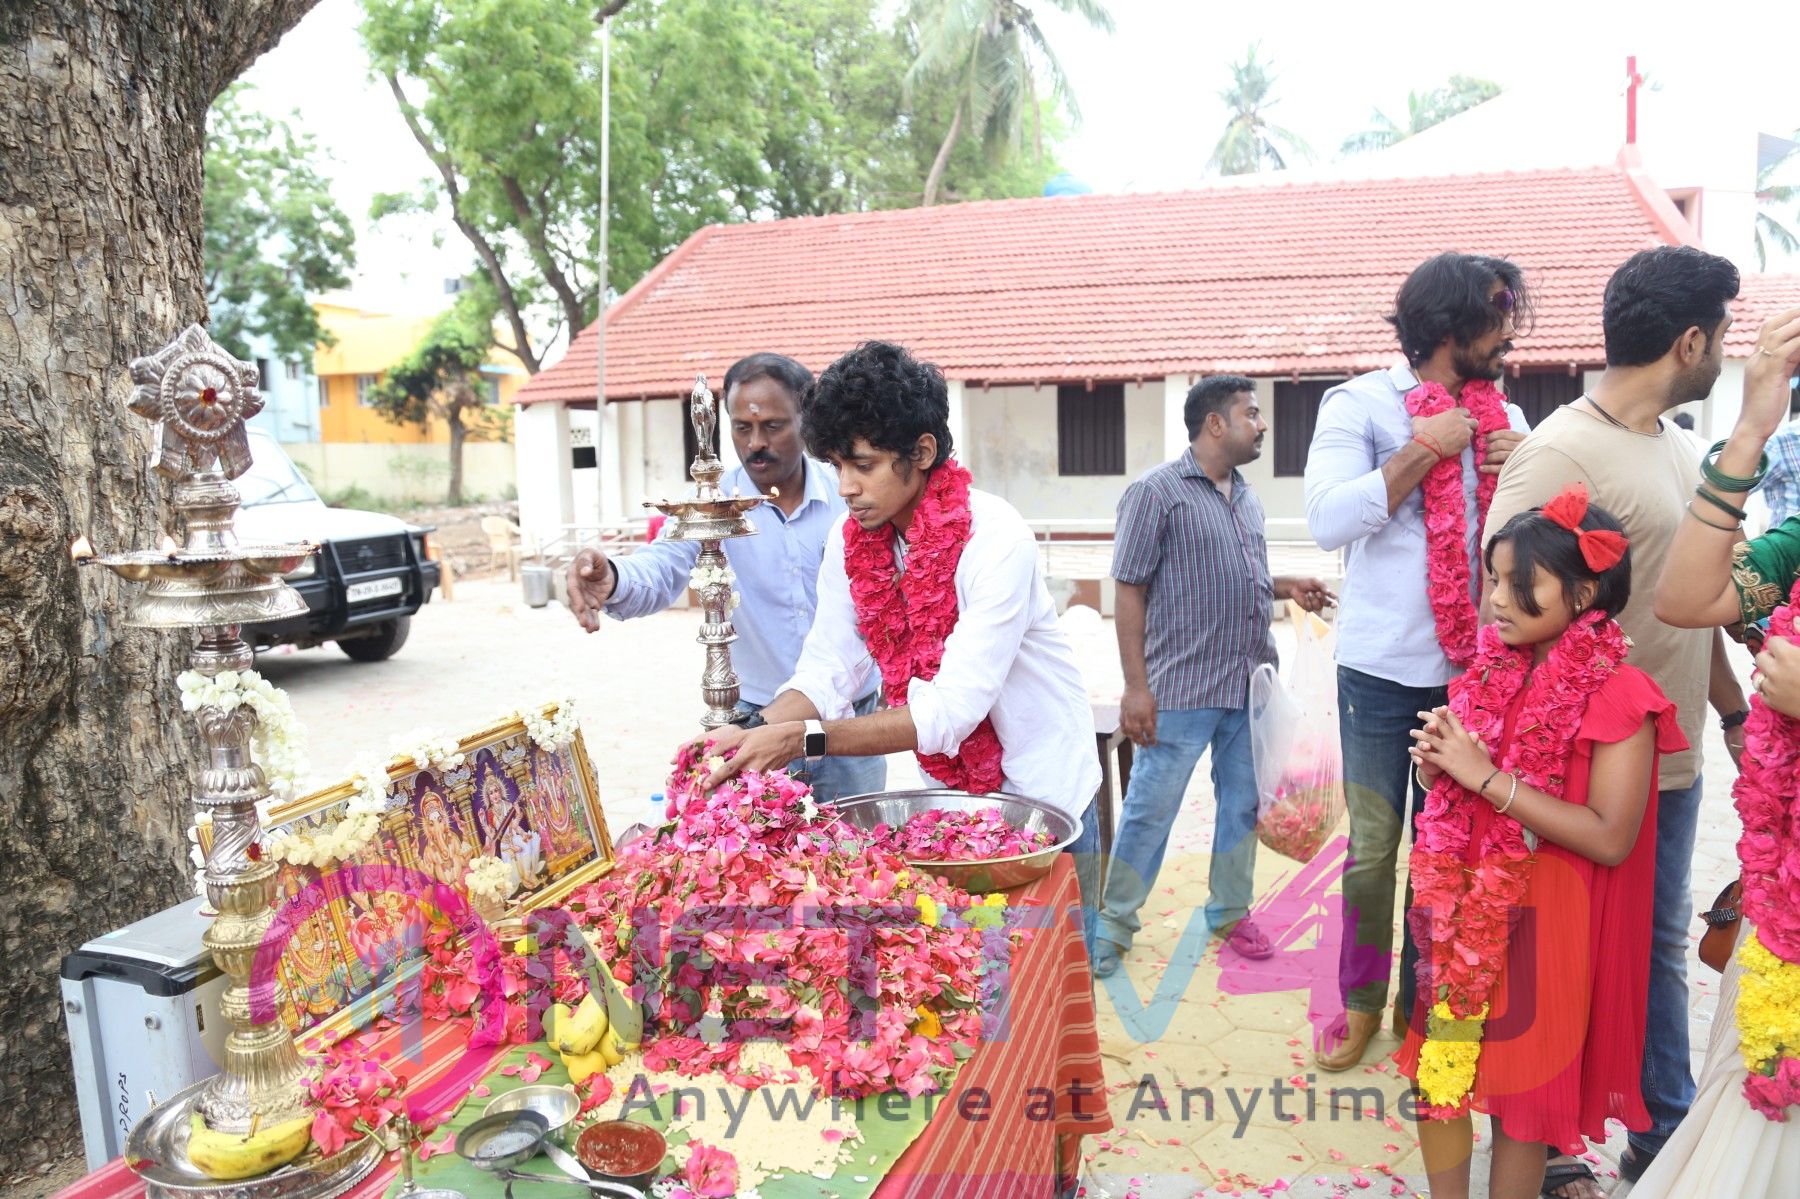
(1724,482)
(1735,513)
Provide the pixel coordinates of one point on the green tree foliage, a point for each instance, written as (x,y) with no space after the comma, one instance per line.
(1423,110)
(440,378)
(1775,210)
(1251,141)
(722,110)
(990,58)
(273,233)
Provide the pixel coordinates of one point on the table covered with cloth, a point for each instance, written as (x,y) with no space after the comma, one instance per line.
(1050,1043)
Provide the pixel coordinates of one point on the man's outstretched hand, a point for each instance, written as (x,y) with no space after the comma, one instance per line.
(590,580)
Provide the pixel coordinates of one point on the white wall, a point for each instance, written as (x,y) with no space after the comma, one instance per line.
(541,445)
(1010,448)
(405,472)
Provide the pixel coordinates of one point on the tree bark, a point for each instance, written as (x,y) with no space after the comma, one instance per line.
(484,249)
(531,228)
(454,422)
(103,135)
(936,176)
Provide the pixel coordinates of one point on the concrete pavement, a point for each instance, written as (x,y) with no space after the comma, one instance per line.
(1183,1034)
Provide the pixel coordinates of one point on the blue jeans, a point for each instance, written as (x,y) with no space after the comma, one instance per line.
(1375,717)
(834,778)
(1159,779)
(1668,1080)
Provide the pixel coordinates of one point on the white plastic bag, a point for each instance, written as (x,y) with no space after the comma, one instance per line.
(1294,740)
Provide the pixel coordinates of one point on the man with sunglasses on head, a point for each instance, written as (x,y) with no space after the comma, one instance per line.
(1455,316)
(777,570)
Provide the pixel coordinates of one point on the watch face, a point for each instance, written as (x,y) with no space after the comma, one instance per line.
(815,745)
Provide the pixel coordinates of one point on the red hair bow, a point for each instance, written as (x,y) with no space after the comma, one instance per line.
(1602,549)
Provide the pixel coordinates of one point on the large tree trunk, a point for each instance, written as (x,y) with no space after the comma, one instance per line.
(942,160)
(102,134)
(453,419)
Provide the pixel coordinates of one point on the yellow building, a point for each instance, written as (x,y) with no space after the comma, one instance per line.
(367,344)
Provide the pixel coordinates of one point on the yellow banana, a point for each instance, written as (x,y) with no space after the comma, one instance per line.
(613,1047)
(555,1020)
(582,1065)
(583,1030)
(228,1155)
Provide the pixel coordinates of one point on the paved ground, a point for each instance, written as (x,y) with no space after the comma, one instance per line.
(1248,1044)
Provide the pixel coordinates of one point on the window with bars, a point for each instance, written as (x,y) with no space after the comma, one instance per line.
(1090,429)
(1296,413)
(365,390)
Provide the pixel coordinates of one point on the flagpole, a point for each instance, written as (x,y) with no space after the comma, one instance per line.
(605,213)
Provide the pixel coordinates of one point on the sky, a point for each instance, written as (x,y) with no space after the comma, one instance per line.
(1149,93)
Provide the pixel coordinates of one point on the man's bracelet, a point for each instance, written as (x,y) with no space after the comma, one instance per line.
(1732,720)
(1431,443)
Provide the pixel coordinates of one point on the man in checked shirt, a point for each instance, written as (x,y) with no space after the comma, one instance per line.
(1195,604)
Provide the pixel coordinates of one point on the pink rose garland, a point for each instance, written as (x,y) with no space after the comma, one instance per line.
(1460,914)
(1447,568)
(904,616)
(1767,795)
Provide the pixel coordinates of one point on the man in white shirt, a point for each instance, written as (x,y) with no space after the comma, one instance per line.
(1365,468)
(938,589)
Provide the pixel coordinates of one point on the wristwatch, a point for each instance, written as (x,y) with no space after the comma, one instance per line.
(815,741)
(1732,720)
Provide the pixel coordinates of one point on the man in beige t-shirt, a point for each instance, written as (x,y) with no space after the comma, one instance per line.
(1665,321)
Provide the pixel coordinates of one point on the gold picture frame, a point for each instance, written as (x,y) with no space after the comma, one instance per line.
(510,798)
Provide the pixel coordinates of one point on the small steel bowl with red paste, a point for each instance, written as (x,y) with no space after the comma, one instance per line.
(622,1151)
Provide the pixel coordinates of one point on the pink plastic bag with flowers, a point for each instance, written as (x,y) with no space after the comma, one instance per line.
(1294,739)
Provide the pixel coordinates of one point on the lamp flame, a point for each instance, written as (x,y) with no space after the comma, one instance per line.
(168,545)
(80,550)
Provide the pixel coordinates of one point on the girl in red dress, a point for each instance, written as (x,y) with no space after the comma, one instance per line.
(1533,862)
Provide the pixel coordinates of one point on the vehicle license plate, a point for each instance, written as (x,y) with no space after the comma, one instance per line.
(357,592)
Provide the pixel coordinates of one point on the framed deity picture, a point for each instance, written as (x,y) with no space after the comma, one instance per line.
(535,809)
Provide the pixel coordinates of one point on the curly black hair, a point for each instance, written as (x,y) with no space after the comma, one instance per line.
(1449,296)
(881,394)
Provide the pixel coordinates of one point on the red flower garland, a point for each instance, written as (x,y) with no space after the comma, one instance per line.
(1767,795)
(1446,513)
(904,616)
(1460,914)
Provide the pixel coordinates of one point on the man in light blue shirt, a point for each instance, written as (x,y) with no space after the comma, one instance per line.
(777,569)
(1455,318)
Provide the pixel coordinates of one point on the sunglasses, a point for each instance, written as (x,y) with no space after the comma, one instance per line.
(1504,299)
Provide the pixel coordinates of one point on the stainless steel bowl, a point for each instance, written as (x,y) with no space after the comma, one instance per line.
(557,1105)
(894,808)
(499,1143)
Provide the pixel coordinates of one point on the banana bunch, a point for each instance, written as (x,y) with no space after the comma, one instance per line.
(596,1035)
(228,1155)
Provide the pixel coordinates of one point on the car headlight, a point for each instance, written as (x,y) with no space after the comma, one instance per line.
(305,570)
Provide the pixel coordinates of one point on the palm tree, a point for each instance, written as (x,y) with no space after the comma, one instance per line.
(1250,142)
(990,54)
(1775,228)
(1423,110)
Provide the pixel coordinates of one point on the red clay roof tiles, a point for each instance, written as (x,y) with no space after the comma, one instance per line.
(1255,279)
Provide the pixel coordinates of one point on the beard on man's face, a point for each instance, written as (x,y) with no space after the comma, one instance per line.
(1471,365)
